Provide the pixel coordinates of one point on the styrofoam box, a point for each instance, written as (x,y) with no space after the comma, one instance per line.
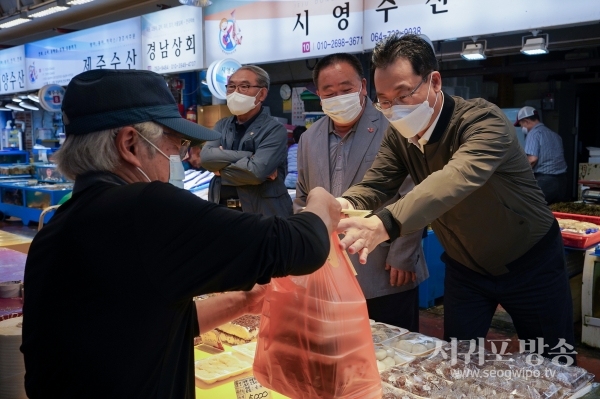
(248,349)
(594,151)
(396,357)
(222,366)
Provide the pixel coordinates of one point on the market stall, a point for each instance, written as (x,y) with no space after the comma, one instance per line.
(414,366)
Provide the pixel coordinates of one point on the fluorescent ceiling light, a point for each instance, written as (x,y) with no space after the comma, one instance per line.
(535,45)
(14,107)
(78,2)
(27,105)
(33,97)
(48,9)
(473,51)
(17,99)
(14,20)
(196,3)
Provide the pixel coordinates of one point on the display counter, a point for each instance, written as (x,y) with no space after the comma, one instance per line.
(224,389)
(430,374)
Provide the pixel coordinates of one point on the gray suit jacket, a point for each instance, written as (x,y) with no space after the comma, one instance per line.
(262,149)
(405,253)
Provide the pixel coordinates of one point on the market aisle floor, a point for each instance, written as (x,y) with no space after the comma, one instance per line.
(431,320)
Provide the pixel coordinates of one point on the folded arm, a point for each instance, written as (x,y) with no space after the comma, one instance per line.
(270,152)
(214,158)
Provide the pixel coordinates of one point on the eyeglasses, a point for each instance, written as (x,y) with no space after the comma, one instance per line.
(184,144)
(381,105)
(242,88)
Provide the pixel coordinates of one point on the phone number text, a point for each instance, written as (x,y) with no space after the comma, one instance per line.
(173,66)
(379,36)
(338,43)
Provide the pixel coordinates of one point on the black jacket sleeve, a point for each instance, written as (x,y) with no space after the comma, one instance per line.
(192,246)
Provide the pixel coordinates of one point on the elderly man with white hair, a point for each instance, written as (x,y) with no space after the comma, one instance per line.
(110,279)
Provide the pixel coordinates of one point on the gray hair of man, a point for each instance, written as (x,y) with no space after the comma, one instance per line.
(97,152)
(262,77)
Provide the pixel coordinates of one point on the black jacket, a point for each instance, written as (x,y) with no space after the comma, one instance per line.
(110,281)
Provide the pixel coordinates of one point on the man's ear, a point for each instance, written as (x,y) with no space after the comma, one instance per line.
(263,94)
(436,81)
(128,146)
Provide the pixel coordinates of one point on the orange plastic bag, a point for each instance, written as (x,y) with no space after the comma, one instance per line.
(315,339)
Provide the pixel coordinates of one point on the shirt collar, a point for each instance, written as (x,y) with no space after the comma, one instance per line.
(538,125)
(89,179)
(332,128)
(425,138)
(249,121)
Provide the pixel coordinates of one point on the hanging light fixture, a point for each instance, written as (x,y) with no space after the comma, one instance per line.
(78,2)
(30,106)
(48,8)
(14,20)
(534,45)
(3,108)
(474,51)
(33,97)
(17,99)
(196,3)
(14,107)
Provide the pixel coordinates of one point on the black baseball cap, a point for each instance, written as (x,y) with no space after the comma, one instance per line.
(103,99)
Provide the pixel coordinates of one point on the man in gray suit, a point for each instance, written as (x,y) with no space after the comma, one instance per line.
(249,160)
(334,153)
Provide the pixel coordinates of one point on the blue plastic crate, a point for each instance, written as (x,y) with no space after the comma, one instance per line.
(433,287)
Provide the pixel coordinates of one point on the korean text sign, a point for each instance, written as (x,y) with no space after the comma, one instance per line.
(57,60)
(447,19)
(12,70)
(172,40)
(268,31)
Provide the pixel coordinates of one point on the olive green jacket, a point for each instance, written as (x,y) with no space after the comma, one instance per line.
(474,185)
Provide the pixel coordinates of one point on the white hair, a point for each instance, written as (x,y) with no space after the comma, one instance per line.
(97,152)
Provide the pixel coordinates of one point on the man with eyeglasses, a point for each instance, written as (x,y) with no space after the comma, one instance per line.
(249,160)
(475,186)
(109,311)
(335,153)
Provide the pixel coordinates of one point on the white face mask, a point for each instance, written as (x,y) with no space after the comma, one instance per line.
(525,130)
(239,103)
(343,109)
(176,171)
(410,120)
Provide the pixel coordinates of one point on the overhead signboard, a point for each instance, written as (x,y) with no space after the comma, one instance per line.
(269,31)
(172,40)
(447,19)
(58,59)
(12,70)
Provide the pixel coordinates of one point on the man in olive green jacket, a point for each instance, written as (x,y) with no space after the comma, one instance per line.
(475,186)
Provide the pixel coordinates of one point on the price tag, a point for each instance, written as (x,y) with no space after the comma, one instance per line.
(249,388)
